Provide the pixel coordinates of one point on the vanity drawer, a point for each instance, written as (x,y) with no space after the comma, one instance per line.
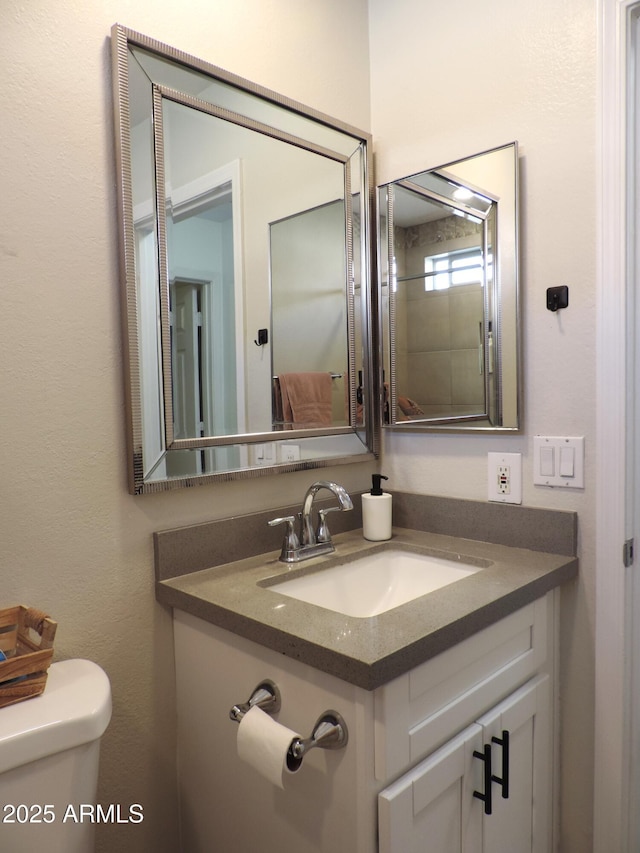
(419,711)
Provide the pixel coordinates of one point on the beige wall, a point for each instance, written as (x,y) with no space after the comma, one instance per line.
(451,79)
(73,540)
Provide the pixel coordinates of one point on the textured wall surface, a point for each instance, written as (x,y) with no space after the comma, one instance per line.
(73,540)
(453,79)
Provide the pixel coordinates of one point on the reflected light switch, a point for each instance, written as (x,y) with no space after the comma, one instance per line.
(547,467)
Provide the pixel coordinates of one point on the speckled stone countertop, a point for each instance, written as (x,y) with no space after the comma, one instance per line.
(368,652)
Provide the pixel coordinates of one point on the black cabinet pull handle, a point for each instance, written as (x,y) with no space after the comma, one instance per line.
(485,756)
(503,780)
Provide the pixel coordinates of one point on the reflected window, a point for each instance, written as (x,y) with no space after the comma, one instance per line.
(452,269)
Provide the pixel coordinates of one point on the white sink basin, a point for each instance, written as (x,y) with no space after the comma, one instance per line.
(375,583)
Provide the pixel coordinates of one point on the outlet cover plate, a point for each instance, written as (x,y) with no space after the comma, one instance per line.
(289,452)
(505,477)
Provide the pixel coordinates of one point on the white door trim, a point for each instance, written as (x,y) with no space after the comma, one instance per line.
(612,696)
(197,195)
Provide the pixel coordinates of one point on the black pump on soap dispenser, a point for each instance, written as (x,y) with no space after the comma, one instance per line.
(376,488)
(376,511)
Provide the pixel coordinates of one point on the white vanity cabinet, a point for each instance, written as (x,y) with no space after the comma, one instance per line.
(405,781)
(487,781)
(455,801)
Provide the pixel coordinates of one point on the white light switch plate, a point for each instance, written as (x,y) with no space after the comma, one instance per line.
(505,477)
(558,460)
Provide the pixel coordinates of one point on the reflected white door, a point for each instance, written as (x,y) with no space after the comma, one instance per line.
(186,367)
(186,372)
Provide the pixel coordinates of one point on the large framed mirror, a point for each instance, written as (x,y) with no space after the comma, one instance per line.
(449,296)
(246,262)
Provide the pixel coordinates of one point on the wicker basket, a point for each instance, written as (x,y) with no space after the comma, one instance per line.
(26,638)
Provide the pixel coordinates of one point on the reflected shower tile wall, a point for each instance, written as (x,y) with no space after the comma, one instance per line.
(466,316)
(429,375)
(467,382)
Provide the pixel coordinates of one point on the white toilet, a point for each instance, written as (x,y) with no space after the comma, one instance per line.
(49,754)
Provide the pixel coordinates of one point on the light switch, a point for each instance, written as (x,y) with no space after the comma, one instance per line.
(567,467)
(547,460)
(265,454)
(269,453)
(558,461)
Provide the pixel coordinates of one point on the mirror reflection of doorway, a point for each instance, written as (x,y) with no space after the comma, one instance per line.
(205,298)
(205,272)
(187,373)
(186,356)
(202,372)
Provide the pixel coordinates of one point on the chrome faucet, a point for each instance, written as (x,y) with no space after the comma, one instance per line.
(311,543)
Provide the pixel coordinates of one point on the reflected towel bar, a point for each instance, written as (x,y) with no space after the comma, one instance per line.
(333,376)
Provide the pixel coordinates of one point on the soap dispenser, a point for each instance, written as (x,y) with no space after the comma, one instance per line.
(376,511)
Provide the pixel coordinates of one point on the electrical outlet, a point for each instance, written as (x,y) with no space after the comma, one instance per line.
(290,452)
(505,477)
(504,480)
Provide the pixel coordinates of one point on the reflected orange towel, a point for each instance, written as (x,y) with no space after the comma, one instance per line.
(406,408)
(306,399)
(409,407)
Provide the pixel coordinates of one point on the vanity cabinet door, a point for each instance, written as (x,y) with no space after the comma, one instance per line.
(432,807)
(439,806)
(518,730)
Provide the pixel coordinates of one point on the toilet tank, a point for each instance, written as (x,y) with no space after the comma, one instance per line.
(49,755)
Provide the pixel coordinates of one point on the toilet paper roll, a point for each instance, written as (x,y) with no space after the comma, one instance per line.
(263,743)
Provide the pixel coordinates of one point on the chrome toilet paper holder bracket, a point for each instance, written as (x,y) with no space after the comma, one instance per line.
(329,732)
(265,696)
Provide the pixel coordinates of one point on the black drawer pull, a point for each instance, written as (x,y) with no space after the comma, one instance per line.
(503,780)
(485,756)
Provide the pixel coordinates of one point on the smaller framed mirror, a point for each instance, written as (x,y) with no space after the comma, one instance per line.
(449,296)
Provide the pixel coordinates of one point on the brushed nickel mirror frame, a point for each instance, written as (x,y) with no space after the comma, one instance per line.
(363,409)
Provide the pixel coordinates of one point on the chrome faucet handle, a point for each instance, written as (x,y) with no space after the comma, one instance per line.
(323,534)
(291,543)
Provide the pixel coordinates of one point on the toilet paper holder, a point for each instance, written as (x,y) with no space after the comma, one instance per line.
(266,696)
(329,732)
